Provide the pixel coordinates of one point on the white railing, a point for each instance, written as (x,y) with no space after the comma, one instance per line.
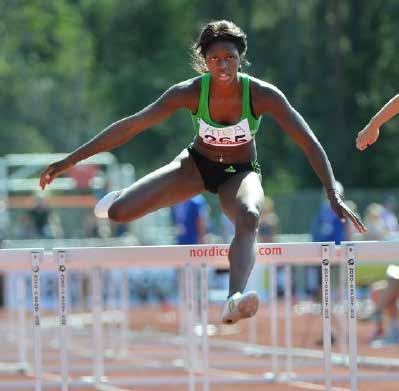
(191,258)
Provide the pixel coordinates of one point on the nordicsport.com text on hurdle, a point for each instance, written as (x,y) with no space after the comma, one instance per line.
(216,251)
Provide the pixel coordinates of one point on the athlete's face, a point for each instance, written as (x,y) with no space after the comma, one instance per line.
(223,61)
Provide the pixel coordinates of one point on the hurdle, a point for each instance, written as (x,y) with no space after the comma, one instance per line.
(197,258)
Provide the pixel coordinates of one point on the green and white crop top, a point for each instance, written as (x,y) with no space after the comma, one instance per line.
(220,135)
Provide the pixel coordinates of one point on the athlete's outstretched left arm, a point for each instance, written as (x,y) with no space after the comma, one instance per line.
(123,130)
(272,101)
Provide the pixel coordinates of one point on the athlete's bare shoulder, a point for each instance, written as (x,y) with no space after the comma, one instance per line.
(187,92)
(265,96)
(261,89)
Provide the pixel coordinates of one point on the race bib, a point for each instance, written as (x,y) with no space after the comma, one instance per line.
(228,136)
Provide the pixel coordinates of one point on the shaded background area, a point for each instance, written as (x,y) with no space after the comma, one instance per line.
(72,67)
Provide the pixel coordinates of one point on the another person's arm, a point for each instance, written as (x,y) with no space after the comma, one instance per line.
(120,132)
(371,131)
(270,100)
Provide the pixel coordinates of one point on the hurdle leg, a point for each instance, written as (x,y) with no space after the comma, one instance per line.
(342,304)
(125,311)
(21,295)
(80,298)
(36,320)
(182,301)
(326,300)
(350,256)
(197,304)
(98,341)
(112,306)
(182,308)
(204,325)
(273,317)
(189,285)
(288,318)
(62,306)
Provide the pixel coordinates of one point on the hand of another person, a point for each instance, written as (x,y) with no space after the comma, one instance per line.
(53,171)
(367,137)
(343,211)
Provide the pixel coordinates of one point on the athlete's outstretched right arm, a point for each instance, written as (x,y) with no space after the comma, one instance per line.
(371,131)
(120,132)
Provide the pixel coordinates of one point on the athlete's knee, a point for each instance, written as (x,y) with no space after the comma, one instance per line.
(247,218)
(117,213)
(114,214)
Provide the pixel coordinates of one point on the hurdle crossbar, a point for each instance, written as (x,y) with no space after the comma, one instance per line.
(97,258)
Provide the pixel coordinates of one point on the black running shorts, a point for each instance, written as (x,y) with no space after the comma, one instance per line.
(214,173)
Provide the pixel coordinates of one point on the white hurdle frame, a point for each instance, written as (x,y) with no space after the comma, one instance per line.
(275,254)
(19,260)
(36,319)
(190,335)
(273,318)
(288,320)
(350,257)
(204,325)
(98,338)
(63,331)
(326,313)
(22,342)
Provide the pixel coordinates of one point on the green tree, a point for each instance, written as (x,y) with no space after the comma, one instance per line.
(70,67)
(44,62)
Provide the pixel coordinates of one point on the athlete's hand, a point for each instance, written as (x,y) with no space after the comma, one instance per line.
(343,211)
(53,171)
(366,137)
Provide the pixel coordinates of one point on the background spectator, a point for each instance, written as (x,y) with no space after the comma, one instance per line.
(267,231)
(385,295)
(375,223)
(268,223)
(46,223)
(389,216)
(191,219)
(381,223)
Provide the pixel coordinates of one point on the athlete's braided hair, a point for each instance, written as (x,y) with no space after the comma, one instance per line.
(220,30)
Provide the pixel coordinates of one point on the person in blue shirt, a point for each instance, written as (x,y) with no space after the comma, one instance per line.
(327,226)
(190,219)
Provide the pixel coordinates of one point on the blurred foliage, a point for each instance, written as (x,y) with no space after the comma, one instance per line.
(70,67)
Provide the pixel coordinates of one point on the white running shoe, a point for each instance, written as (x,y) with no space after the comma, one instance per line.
(102,206)
(240,306)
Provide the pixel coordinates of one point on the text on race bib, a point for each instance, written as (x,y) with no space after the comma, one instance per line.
(228,136)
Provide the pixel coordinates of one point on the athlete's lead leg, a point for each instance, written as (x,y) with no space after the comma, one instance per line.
(170,184)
